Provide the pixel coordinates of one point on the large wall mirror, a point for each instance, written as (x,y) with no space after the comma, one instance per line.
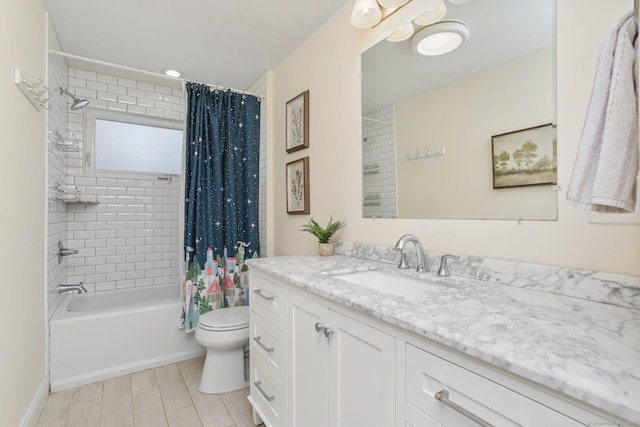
(429,122)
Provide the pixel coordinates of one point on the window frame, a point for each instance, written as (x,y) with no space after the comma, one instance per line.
(89,152)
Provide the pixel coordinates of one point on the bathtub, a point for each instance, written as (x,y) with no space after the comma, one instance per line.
(102,335)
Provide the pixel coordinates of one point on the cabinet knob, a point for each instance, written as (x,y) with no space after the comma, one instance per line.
(328,332)
(319,326)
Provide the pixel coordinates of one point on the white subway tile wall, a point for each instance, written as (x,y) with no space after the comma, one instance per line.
(131,237)
(379,164)
(57,173)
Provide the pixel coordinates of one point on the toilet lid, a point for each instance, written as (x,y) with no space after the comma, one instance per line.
(225,319)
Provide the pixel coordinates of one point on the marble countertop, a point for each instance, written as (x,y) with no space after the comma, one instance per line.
(585,349)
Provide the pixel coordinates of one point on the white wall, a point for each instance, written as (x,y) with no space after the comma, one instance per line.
(328,64)
(22,217)
(461,181)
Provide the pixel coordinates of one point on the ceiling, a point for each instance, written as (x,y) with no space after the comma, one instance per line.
(225,42)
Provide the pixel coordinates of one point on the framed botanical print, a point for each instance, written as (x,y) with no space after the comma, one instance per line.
(298,186)
(298,122)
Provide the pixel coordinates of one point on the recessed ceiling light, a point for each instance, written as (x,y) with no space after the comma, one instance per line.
(172,72)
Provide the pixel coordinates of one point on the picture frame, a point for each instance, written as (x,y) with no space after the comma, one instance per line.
(297,128)
(525,157)
(298,186)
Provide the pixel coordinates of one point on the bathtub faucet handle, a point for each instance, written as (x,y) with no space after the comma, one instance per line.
(63,252)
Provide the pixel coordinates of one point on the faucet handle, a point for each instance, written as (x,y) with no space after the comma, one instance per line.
(443,271)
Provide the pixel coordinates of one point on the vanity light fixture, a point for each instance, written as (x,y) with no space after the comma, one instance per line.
(401,33)
(440,38)
(432,15)
(392,4)
(171,72)
(369,13)
(366,14)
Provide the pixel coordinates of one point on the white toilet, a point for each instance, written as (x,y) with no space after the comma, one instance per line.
(224,333)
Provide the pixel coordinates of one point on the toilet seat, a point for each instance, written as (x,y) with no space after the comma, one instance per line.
(226,319)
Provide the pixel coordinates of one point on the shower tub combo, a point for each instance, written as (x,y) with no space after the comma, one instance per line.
(102,335)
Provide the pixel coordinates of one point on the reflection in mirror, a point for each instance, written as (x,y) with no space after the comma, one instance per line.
(428,121)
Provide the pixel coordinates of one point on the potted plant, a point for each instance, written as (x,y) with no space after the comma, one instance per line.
(323,234)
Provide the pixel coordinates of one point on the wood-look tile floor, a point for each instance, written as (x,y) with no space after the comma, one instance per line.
(164,396)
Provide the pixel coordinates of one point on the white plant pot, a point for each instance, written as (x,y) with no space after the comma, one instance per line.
(325,249)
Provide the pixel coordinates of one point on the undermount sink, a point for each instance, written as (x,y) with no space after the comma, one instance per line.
(396,284)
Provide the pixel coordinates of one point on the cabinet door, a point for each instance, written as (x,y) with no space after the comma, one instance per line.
(362,374)
(308,389)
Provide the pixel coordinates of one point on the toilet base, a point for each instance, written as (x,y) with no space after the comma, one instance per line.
(223,371)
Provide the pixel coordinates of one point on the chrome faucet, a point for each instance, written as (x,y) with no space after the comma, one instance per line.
(63,252)
(402,241)
(444,268)
(62,288)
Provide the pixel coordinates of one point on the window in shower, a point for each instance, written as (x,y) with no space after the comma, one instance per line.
(127,143)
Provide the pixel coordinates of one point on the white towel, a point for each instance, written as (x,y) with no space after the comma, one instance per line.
(606,168)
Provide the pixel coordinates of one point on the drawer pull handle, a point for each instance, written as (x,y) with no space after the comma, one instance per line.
(328,332)
(319,326)
(262,392)
(260,294)
(443,396)
(258,341)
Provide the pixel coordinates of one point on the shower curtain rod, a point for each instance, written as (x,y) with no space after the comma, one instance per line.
(151,73)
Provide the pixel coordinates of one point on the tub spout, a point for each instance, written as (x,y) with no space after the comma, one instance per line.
(79,288)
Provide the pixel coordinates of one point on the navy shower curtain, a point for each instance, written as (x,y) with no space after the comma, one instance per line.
(222,169)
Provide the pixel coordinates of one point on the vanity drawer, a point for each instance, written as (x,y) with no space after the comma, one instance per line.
(267,344)
(413,417)
(267,299)
(427,374)
(266,394)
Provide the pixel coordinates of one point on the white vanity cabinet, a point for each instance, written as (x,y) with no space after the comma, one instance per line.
(312,365)
(317,363)
(267,351)
(341,371)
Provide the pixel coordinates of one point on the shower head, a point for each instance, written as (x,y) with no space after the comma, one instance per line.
(77,102)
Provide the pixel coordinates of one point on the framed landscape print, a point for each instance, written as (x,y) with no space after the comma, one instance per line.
(298,122)
(525,157)
(298,186)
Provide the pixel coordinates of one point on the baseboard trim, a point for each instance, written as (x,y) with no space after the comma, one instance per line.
(37,405)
